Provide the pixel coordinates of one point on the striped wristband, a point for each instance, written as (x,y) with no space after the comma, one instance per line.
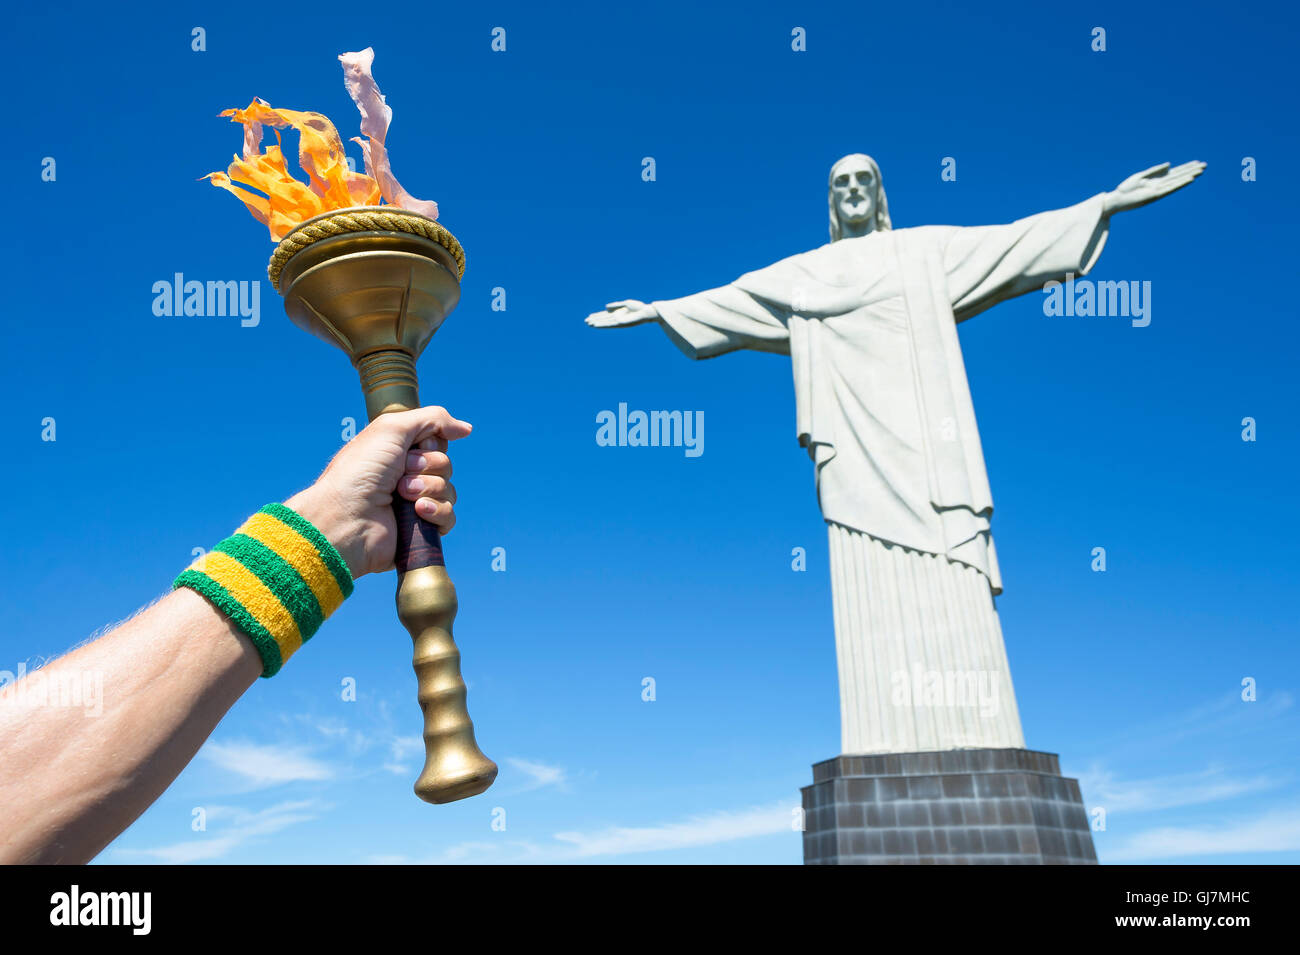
(277,578)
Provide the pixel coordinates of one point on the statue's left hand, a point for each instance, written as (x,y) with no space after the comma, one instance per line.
(1151,184)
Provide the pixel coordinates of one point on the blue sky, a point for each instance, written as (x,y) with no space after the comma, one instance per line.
(626,563)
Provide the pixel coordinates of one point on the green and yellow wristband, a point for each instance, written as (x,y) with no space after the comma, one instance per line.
(277,578)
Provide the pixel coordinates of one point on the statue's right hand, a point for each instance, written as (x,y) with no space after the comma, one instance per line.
(624,313)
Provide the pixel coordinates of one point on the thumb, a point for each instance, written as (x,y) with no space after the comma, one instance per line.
(420,424)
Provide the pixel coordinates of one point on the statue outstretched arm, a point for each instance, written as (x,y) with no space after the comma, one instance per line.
(709,323)
(989,264)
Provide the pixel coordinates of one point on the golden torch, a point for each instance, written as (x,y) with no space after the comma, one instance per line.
(364,266)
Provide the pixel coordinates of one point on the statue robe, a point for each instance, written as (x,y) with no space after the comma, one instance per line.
(882,403)
(884,409)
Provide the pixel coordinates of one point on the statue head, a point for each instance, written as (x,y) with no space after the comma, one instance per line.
(857,198)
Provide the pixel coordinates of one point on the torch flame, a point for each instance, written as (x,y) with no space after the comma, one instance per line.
(331,184)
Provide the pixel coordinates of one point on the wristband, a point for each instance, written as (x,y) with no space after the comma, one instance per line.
(277,578)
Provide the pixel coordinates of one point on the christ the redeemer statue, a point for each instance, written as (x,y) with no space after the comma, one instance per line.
(869,321)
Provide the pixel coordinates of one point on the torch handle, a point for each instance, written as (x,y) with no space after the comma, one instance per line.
(454,767)
(418,542)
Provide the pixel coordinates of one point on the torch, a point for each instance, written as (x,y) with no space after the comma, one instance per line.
(376,281)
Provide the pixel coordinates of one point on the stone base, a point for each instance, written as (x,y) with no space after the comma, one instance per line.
(959,807)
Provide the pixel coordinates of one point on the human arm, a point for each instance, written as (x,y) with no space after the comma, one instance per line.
(72,781)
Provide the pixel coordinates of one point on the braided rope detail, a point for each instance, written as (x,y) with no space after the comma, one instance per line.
(387,220)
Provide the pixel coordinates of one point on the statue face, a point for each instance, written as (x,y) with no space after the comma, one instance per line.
(854,188)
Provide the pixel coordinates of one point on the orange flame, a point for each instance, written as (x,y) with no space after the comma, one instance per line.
(331,184)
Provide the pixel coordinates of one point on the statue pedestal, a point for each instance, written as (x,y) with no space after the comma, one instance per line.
(958,807)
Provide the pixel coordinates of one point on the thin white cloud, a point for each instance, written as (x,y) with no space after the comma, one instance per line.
(614,841)
(717,827)
(539,774)
(266,764)
(472,851)
(239,827)
(336,731)
(511,852)
(401,750)
(1224,718)
(399,754)
(1102,788)
(1277,831)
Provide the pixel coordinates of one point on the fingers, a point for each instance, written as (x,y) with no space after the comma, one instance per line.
(426,483)
(1175,184)
(1154,170)
(1180,177)
(616,313)
(426,432)
(434,497)
(1183,174)
(433,461)
(413,487)
(438,513)
(424,424)
(620,314)
(1192,169)
(1155,183)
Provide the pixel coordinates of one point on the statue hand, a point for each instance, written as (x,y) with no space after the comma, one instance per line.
(621,314)
(1151,184)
